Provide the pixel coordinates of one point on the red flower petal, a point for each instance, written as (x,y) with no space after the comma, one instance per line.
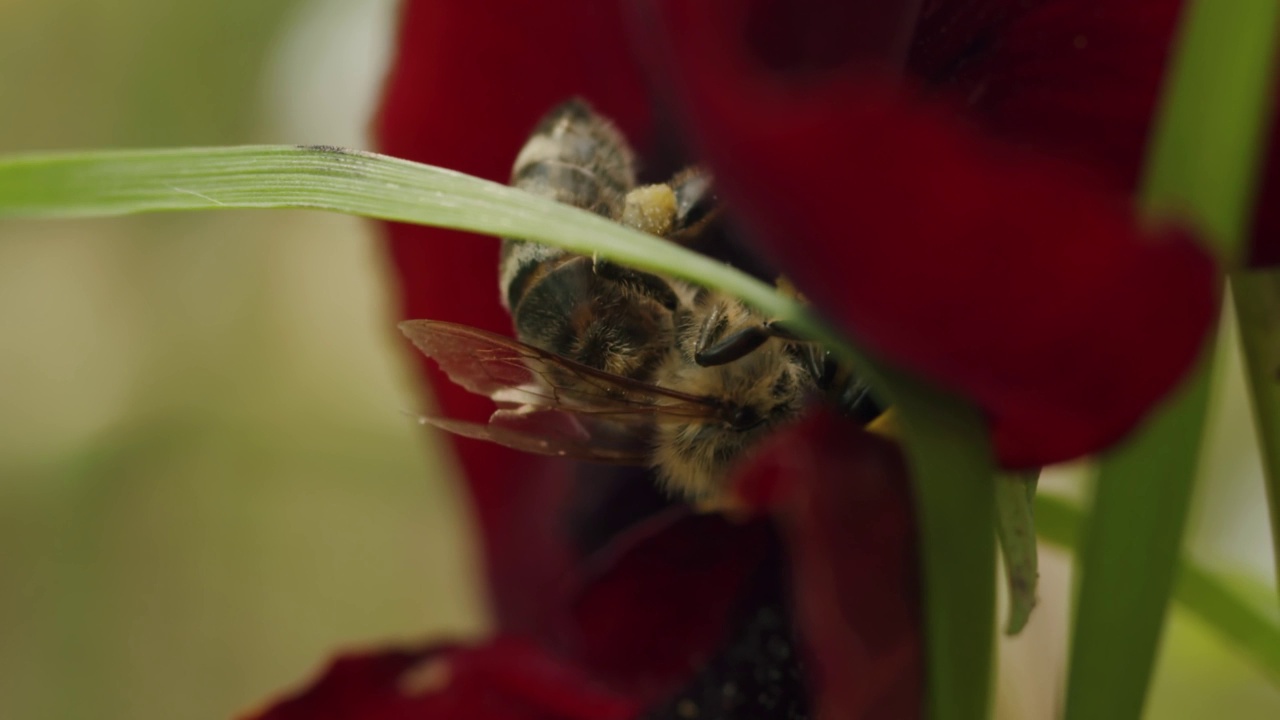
(850,530)
(507,679)
(651,611)
(1075,78)
(469,81)
(660,603)
(1003,274)
(817,36)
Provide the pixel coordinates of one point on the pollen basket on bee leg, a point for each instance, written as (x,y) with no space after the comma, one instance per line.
(650,209)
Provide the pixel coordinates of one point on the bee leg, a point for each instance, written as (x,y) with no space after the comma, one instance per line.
(813,359)
(696,204)
(738,343)
(650,209)
(730,347)
(857,403)
(647,284)
(781,330)
(838,381)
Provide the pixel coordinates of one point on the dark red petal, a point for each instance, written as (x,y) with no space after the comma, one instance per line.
(952,33)
(816,36)
(506,679)
(850,534)
(469,80)
(1076,78)
(1005,275)
(659,602)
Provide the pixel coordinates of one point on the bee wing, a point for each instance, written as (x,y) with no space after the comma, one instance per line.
(516,375)
(551,432)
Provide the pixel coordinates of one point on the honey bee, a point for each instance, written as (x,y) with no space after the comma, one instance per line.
(613,364)
(603,315)
(690,423)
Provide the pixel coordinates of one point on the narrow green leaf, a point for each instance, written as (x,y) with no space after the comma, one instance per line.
(1127,557)
(105,183)
(1257,301)
(1200,591)
(1016,531)
(953,474)
(1202,165)
(1217,104)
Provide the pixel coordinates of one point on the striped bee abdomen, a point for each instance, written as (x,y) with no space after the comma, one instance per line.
(610,318)
(576,157)
(576,313)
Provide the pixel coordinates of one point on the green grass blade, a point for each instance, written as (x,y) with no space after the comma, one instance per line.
(105,183)
(1127,557)
(1257,302)
(1205,154)
(1203,164)
(1201,592)
(953,475)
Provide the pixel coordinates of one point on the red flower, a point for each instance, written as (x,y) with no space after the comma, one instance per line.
(970,219)
(998,256)
(687,613)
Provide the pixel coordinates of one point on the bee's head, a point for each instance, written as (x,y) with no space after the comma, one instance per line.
(757,393)
(744,417)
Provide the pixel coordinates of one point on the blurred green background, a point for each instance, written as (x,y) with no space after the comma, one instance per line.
(207,485)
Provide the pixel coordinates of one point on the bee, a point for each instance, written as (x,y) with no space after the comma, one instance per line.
(606,316)
(613,364)
(690,423)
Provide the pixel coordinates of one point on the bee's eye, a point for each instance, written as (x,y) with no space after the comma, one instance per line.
(744,418)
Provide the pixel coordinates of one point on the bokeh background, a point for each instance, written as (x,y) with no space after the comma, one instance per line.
(207,482)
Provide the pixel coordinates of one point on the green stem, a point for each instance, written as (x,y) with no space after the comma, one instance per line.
(953,474)
(1128,554)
